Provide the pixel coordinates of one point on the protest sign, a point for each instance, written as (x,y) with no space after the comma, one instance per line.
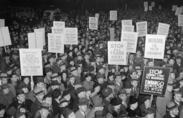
(40,37)
(117,54)
(93,23)
(57,30)
(59,24)
(31,62)
(112,34)
(174,7)
(32,40)
(55,43)
(150,8)
(131,39)
(146,6)
(178,11)
(127,28)
(154,81)
(113,15)
(126,22)
(5,39)
(71,36)
(180,20)
(2,23)
(153,4)
(142,28)
(97,15)
(163,29)
(155,46)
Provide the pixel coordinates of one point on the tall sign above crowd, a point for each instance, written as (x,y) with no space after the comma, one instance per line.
(31,62)
(117,53)
(113,15)
(93,23)
(154,81)
(5,38)
(163,29)
(141,28)
(155,46)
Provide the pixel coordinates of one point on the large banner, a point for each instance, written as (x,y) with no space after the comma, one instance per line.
(127,28)
(5,39)
(2,23)
(112,34)
(71,36)
(117,54)
(31,62)
(55,43)
(113,15)
(59,24)
(155,46)
(131,39)
(32,40)
(141,28)
(154,81)
(163,29)
(180,20)
(93,23)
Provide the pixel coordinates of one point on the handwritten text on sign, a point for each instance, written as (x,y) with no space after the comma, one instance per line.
(154,80)
(117,53)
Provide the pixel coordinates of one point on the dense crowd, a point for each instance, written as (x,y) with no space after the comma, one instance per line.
(80,83)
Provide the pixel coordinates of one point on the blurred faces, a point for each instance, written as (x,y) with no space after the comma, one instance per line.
(177,97)
(83,108)
(21,98)
(134,106)
(72,115)
(175,111)
(2,112)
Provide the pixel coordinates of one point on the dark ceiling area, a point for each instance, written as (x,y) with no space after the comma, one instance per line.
(88,4)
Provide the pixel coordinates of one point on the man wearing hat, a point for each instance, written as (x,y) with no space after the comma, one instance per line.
(83,108)
(115,109)
(172,111)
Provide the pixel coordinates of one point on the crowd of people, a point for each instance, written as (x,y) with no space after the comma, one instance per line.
(80,83)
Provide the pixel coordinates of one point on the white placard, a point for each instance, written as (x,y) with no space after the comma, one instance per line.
(178,11)
(146,6)
(180,20)
(2,23)
(155,46)
(163,29)
(71,36)
(117,54)
(142,28)
(32,40)
(113,15)
(40,37)
(59,24)
(57,30)
(55,43)
(31,62)
(131,39)
(1,39)
(174,7)
(112,34)
(5,36)
(93,23)
(127,28)
(153,4)
(126,22)
(97,15)
(150,8)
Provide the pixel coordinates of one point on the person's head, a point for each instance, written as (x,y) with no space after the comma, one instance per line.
(147,102)
(138,53)
(72,80)
(67,113)
(5,89)
(66,95)
(107,93)
(100,79)
(21,97)
(14,78)
(172,109)
(83,104)
(118,78)
(88,77)
(171,61)
(81,92)
(134,82)
(44,112)
(178,60)
(2,110)
(26,80)
(116,103)
(133,103)
(122,95)
(40,95)
(47,100)
(177,96)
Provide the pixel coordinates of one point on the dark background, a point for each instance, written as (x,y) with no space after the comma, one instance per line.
(89,4)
